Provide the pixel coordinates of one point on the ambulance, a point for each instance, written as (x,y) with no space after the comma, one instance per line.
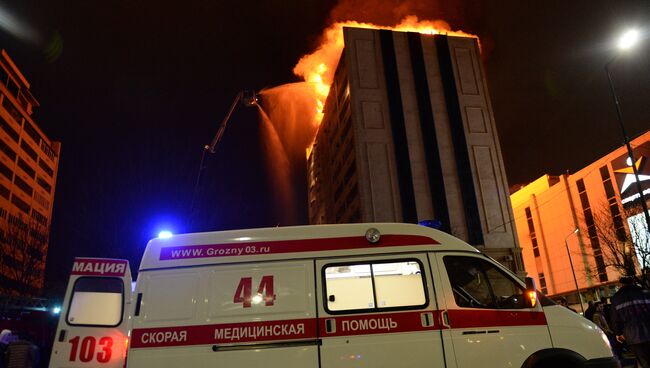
(344,296)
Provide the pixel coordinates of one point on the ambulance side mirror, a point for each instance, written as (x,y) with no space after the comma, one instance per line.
(530,294)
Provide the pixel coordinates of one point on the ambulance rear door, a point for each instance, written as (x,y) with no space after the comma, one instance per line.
(229,315)
(94,320)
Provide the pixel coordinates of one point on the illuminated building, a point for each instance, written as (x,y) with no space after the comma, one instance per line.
(599,200)
(28,169)
(408,135)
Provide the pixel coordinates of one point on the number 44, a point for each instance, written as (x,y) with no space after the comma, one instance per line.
(244,294)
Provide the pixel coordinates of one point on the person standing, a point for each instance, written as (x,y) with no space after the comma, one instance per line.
(631,319)
(563,302)
(22,354)
(5,339)
(589,312)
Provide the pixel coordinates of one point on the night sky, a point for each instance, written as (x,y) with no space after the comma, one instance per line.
(134,88)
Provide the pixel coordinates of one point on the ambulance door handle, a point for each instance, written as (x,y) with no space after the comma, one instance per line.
(62,335)
(444,318)
(137,304)
(427,319)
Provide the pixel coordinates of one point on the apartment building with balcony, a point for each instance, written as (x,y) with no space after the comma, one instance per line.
(29,163)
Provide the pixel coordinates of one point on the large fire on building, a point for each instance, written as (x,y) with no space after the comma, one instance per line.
(295,110)
(398,127)
(317,68)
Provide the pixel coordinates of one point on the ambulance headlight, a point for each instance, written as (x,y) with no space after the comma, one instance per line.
(373,235)
(56,310)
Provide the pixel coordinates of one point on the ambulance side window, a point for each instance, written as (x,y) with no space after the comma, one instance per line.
(477,283)
(96,301)
(374,286)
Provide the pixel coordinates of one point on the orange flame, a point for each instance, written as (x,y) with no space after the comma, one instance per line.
(318,68)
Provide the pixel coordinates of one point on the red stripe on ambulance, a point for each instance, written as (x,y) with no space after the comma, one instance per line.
(289,246)
(99,267)
(305,329)
(468,318)
(378,323)
(231,333)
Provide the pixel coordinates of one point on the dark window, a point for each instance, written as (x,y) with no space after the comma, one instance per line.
(39,236)
(96,301)
(7,150)
(12,110)
(13,87)
(39,217)
(35,253)
(378,286)
(23,185)
(589,218)
(44,184)
(338,192)
(531,230)
(595,245)
(584,200)
(6,171)
(604,173)
(31,131)
(535,248)
(477,283)
(28,150)
(352,195)
(47,150)
(46,168)
(22,205)
(542,282)
(26,167)
(8,129)
(600,266)
(4,76)
(17,222)
(4,191)
(10,261)
(609,188)
(348,173)
(621,235)
(581,185)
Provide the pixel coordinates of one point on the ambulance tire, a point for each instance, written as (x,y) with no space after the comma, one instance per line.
(554,358)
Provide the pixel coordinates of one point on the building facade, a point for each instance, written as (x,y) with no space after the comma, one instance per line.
(601,202)
(28,169)
(408,135)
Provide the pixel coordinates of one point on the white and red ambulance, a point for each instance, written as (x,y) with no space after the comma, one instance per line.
(358,295)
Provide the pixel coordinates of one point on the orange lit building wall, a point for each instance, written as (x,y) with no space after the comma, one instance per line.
(548,210)
(29,163)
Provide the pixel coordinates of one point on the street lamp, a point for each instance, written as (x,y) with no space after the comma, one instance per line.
(573,271)
(626,42)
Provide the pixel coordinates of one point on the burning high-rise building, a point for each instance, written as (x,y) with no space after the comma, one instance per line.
(408,135)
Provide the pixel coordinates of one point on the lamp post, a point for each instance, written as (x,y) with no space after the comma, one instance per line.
(573,271)
(627,41)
